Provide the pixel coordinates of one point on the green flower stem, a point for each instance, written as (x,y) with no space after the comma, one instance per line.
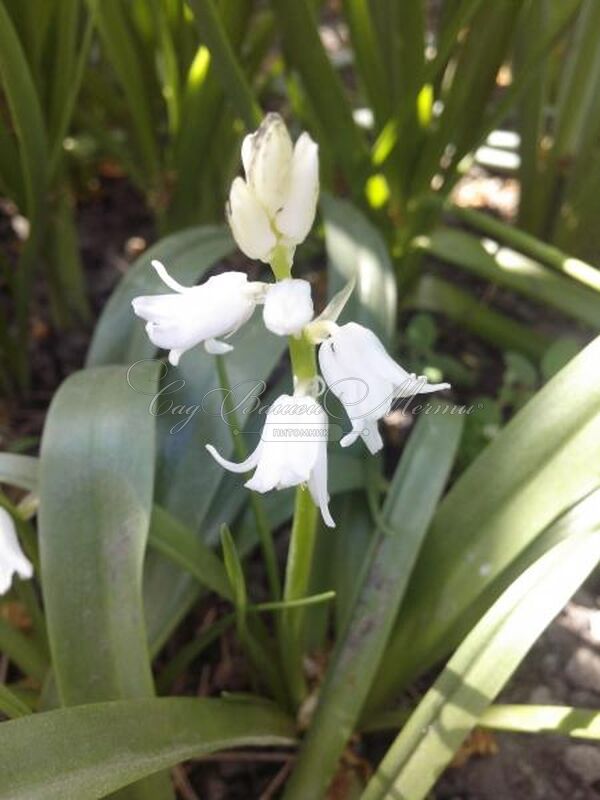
(304,526)
(262,523)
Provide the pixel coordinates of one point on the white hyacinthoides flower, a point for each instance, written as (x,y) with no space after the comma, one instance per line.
(12,559)
(366,379)
(275,205)
(292,451)
(195,314)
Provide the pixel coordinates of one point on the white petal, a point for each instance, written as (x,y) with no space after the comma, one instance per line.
(288,306)
(317,485)
(419,385)
(269,163)
(174,356)
(371,436)
(244,466)
(12,558)
(248,146)
(296,217)
(167,279)
(249,222)
(217,348)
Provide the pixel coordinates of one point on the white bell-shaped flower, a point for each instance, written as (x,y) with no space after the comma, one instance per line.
(292,450)
(361,374)
(12,559)
(275,206)
(179,321)
(288,306)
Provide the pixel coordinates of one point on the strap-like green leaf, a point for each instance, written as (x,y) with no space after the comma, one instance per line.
(506,267)
(174,540)
(96,478)
(480,668)
(90,751)
(26,111)
(539,466)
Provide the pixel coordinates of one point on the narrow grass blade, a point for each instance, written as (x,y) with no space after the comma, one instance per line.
(227,65)
(489,260)
(305,51)
(442,297)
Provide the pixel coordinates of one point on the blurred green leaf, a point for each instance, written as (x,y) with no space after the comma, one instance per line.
(356,249)
(305,51)
(18,470)
(11,705)
(500,265)
(235,84)
(580,723)
(558,356)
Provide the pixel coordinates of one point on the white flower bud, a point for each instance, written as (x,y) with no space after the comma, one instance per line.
(288,306)
(12,559)
(276,204)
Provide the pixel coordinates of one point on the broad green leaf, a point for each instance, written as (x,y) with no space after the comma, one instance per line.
(90,751)
(481,667)
(357,250)
(18,470)
(95,502)
(119,337)
(413,496)
(489,260)
(580,723)
(539,465)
